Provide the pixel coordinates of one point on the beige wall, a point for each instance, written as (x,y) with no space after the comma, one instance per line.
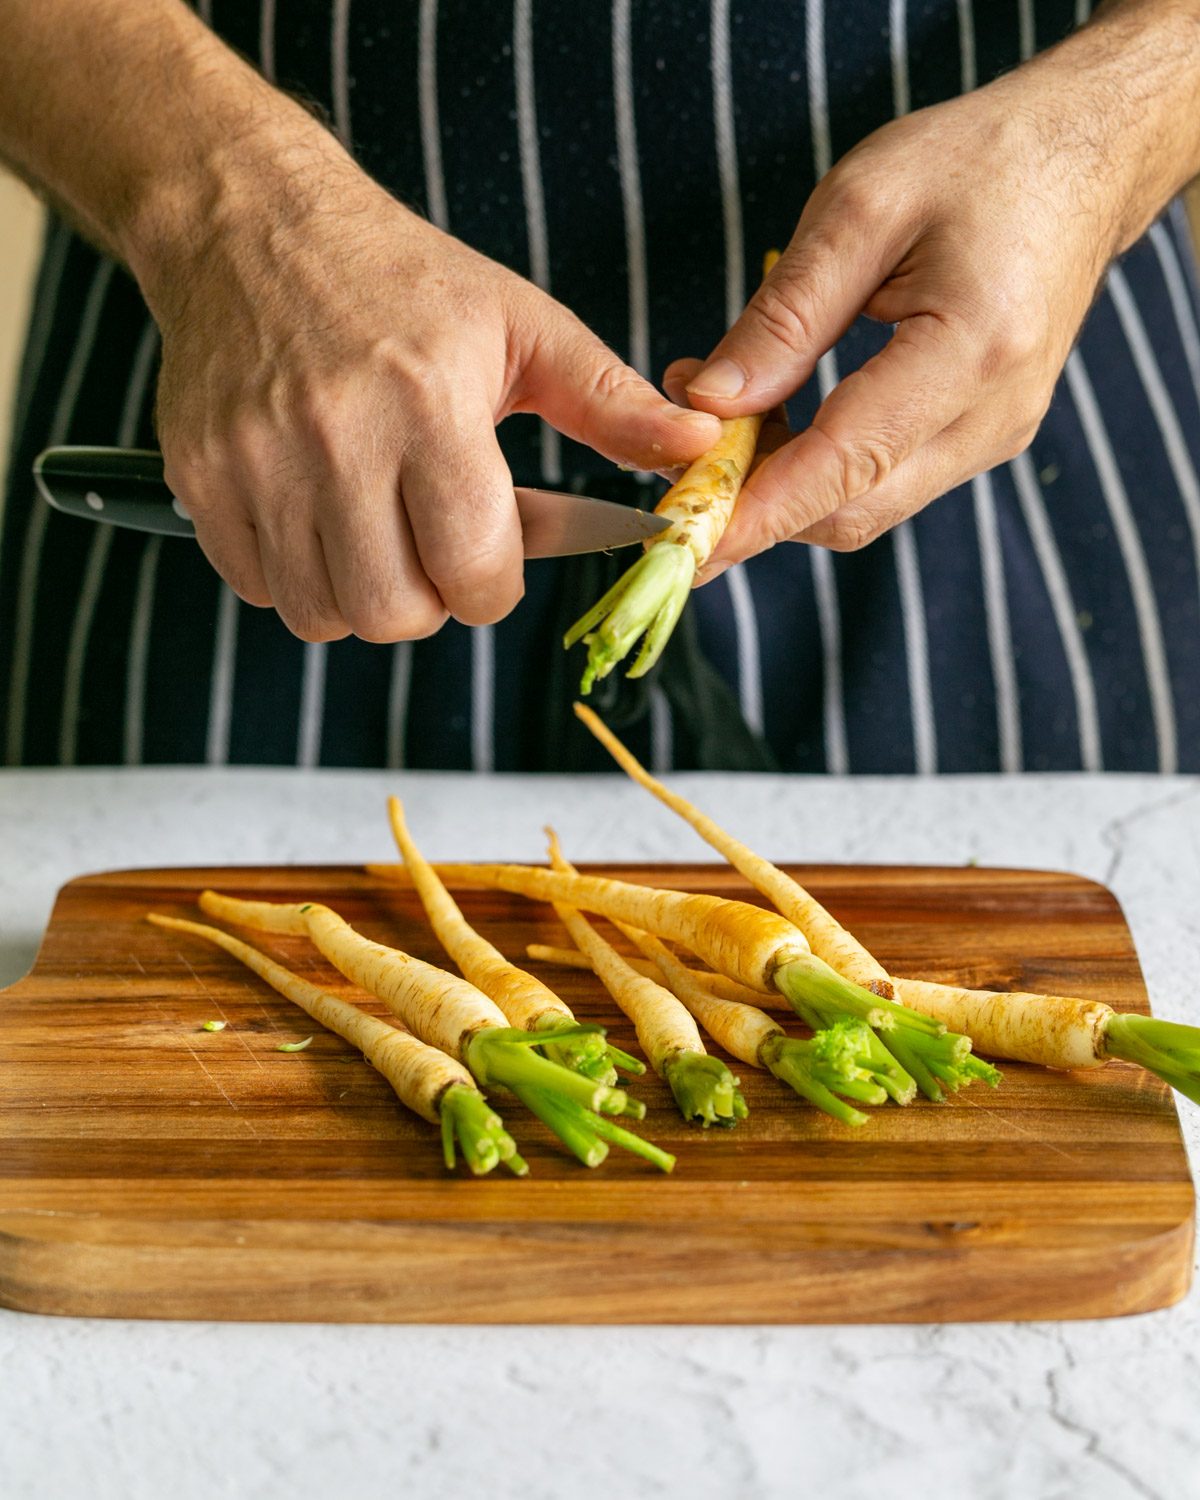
(20,231)
(1194,209)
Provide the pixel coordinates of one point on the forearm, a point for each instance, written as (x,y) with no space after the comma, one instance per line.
(138,122)
(1123,95)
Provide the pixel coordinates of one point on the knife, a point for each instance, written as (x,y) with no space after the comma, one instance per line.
(125,486)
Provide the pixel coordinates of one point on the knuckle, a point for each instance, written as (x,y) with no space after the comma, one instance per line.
(851,532)
(400,616)
(783,313)
(481,589)
(613,379)
(1011,344)
(1018,441)
(312,622)
(859,198)
(861,464)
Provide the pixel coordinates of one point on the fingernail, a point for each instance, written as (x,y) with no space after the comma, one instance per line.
(722,378)
(690,418)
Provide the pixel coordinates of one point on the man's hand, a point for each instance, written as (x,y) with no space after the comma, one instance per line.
(981,229)
(333,367)
(334,370)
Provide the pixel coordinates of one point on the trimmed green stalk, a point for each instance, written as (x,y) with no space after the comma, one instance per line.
(647,600)
(908,1050)
(587,1136)
(471,1124)
(835,1061)
(590,1054)
(1167,1048)
(704,1088)
(506,1055)
(575,1108)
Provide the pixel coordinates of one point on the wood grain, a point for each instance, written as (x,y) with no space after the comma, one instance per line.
(151,1169)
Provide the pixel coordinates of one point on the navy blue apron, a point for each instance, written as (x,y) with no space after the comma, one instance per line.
(636,158)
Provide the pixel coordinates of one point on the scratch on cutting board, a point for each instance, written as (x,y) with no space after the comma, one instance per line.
(1012,1125)
(242,1042)
(216,1082)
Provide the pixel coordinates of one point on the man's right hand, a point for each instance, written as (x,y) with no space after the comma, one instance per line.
(333,372)
(333,366)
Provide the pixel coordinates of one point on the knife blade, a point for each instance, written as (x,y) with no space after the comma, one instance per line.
(125,487)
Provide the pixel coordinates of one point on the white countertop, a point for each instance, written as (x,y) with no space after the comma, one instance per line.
(1028,1411)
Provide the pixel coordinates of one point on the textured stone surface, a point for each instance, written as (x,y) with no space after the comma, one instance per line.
(1051,1411)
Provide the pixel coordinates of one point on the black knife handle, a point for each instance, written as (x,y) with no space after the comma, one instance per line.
(124,485)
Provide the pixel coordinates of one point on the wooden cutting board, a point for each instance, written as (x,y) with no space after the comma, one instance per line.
(149,1168)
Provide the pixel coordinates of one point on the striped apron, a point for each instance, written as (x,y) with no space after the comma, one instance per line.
(635,157)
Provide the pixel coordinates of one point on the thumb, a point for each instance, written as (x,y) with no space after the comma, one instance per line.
(833,266)
(578,385)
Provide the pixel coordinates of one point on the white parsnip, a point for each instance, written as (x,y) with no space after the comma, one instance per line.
(1053,1030)
(827,937)
(524,999)
(746,942)
(702,1086)
(740,1029)
(646,601)
(664,1026)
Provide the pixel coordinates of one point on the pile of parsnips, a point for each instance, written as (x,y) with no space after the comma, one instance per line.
(874,1038)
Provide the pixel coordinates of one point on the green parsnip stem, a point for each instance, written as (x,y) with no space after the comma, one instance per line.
(645,601)
(834,1062)
(704,1088)
(1167,1048)
(906,1043)
(589,1135)
(478,1130)
(649,598)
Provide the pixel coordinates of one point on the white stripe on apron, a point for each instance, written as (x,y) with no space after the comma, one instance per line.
(1033,508)
(98,550)
(916,649)
(1161,405)
(427,98)
(745,621)
(312,705)
(631,190)
(966,45)
(999,631)
(35,531)
(662,734)
(904,537)
(266,39)
(220,688)
(825,591)
(37,339)
(532,191)
(397,719)
(1158,678)
(898,47)
(339,49)
(138,655)
(1181,302)
(483,676)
